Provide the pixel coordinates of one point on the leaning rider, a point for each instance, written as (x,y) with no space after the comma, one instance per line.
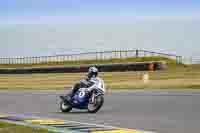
(92,81)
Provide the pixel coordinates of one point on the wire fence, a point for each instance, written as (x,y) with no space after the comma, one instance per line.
(195,60)
(89,56)
(190,60)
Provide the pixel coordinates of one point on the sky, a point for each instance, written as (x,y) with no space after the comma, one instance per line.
(32,10)
(40,27)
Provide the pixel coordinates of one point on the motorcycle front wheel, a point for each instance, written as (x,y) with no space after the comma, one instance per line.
(94,107)
(64,107)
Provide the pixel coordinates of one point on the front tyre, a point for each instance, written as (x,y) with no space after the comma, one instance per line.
(65,107)
(94,107)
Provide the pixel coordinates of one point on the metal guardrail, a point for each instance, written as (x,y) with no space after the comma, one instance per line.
(88,56)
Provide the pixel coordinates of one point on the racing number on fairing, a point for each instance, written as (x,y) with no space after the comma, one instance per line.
(82,94)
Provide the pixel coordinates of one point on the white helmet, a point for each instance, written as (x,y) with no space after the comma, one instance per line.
(92,72)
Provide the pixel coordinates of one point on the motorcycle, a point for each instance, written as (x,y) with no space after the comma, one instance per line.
(83,100)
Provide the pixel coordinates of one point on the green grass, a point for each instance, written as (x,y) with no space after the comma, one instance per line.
(12,128)
(83,62)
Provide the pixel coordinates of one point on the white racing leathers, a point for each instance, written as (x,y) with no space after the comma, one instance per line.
(98,84)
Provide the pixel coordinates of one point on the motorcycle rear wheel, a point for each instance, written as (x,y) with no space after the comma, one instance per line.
(65,107)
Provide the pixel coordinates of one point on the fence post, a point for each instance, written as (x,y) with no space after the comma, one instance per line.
(40,60)
(56,59)
(34,60)
(10,61)
(67,58)
(101,58)
(115,54)
(137,53)
(126,53)
(179,59)
(96,55)
(120,54)
(48,59)
(28,60)
(111,54)
(25,60)
(63,58)
(22,60)
(37,60)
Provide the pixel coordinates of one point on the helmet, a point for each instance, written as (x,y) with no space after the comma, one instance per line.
(92,72)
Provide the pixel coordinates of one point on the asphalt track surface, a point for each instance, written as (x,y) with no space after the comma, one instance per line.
(159,111)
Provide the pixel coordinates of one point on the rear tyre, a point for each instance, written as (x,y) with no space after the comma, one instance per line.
(94,107)
(65,107)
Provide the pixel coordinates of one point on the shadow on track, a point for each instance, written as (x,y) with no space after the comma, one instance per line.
(75,112)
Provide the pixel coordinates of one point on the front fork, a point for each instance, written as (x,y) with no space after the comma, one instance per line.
(92,99)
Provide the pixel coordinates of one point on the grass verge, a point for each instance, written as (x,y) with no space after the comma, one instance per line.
(175,77)
(12,128)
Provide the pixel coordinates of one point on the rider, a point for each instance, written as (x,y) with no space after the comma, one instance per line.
(91,82)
